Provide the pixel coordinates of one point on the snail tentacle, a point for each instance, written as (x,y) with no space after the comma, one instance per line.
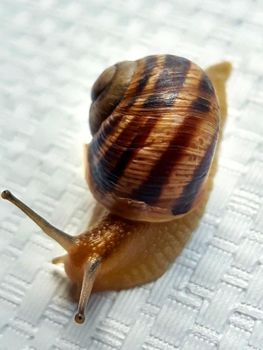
(64,239)
(89,274)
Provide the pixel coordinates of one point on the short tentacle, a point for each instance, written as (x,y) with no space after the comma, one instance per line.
(59,259)
(89,275)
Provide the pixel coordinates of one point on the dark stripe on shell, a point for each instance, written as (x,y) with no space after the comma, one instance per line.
(149,65)
(201,105)
(169,83)
(206,85)
(150,190)
(129,153)
(109,128)
(179,66)
(104,175)
(184,203)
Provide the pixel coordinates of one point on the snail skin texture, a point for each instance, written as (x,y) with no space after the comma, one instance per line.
(156,125)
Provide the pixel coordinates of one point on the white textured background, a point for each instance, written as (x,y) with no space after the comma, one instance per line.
(51,52)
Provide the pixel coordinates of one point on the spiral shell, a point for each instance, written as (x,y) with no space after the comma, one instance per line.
(155,124)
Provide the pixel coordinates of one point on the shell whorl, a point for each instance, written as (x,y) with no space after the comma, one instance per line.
(107,92)
(151,153)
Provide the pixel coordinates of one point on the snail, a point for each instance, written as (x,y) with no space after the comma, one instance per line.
(156,125)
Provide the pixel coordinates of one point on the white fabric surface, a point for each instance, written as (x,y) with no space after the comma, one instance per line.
(51,52)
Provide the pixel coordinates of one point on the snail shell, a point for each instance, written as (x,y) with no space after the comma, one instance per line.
(155,125)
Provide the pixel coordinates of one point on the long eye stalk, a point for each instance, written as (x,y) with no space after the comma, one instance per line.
(64,239)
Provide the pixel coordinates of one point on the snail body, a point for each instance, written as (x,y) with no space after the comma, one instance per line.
(155,124)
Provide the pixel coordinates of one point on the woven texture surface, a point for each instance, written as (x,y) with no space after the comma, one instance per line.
(51,52)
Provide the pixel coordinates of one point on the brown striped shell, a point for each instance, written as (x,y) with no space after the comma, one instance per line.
(155,124)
